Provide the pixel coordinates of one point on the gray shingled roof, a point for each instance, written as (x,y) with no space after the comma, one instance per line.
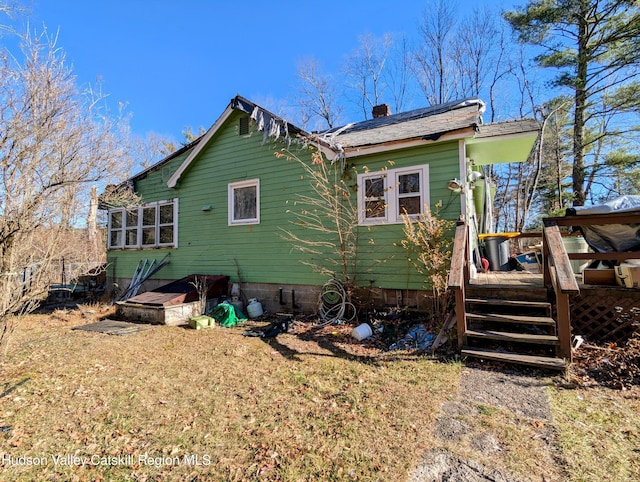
(507,128)
(428,123)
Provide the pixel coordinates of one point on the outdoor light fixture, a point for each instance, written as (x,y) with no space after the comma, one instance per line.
(454,185)
(475,175)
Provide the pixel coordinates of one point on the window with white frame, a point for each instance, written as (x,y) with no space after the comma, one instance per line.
(244,202)
(152,225)
(384,196)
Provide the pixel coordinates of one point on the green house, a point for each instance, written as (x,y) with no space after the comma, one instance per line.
(230,203)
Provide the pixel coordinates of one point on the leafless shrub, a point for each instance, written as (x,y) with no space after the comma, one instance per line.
(56,143)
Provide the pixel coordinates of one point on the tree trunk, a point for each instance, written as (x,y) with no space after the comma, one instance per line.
(580,107)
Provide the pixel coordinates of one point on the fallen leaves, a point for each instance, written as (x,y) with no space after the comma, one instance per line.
(610,365)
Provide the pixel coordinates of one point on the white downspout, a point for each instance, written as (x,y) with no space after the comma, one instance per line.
(466,206)
(462,175)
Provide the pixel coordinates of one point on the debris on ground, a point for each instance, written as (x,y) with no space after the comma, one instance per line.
(113,327)
(227,315)
(608,365)
(418,338)
(201,321)
(270,331)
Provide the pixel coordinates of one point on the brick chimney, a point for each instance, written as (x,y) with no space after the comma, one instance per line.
(381,110)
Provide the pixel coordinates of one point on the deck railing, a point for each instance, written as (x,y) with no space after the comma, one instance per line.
(556,267)
(459,276)
(557,272)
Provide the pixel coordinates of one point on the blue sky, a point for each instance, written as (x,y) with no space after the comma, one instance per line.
(178,63)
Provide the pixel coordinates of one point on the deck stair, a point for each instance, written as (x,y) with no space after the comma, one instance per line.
(512,331)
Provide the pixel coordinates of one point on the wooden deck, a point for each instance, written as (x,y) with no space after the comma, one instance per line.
(490,306)
(508,279)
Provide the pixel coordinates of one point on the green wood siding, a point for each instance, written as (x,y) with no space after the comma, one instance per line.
(208,245)
(379,258)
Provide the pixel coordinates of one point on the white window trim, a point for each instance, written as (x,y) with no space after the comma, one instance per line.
(231,190)
(391,177)
(138,228)
(110,229)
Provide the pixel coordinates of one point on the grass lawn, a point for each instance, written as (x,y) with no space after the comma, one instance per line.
(599,433)
(171,403)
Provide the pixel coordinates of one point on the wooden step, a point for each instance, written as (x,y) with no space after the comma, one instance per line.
(500,302)
(513,337)
(509,357)
(525,320)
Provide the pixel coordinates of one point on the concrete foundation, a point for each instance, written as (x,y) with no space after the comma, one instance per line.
(280,298)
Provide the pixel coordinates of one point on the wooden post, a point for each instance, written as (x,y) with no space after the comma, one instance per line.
(564,325)
(458,276)
(461,317)
(546,274)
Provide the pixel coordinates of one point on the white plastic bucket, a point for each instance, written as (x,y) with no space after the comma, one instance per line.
(254,308)
(576,244)
(361,332)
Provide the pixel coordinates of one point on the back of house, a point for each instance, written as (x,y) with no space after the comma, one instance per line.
(242,200)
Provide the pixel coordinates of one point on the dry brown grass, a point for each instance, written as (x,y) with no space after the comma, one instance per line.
(304,406)
(599,432)
(284,409)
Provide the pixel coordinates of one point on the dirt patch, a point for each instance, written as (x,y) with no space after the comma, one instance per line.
(480,432)
(439,465)
(522,395)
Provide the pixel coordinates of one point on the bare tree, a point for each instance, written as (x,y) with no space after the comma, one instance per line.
(398,75)
(151,149)
(461,57)
(476,52)
(365,71)
(317,97)
(434,65)
(325,220)
(56,142)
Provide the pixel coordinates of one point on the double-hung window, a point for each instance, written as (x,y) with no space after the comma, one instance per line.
(152,225)
(244,202)
(384,196)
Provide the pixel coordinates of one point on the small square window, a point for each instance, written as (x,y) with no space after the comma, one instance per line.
(244,202)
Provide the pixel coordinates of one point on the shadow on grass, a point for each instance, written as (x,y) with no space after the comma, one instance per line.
(8,388)
(331,343)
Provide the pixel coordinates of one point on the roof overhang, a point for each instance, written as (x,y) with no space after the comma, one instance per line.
(269,124)
(504,142)
(351,152)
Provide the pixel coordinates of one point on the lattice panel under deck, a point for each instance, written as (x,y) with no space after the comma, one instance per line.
(602,315)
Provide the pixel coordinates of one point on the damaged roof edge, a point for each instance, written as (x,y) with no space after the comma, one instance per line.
(268,122)
(402,117)
(271,125)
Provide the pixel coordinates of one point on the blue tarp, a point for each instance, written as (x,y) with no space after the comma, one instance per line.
(418,338)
